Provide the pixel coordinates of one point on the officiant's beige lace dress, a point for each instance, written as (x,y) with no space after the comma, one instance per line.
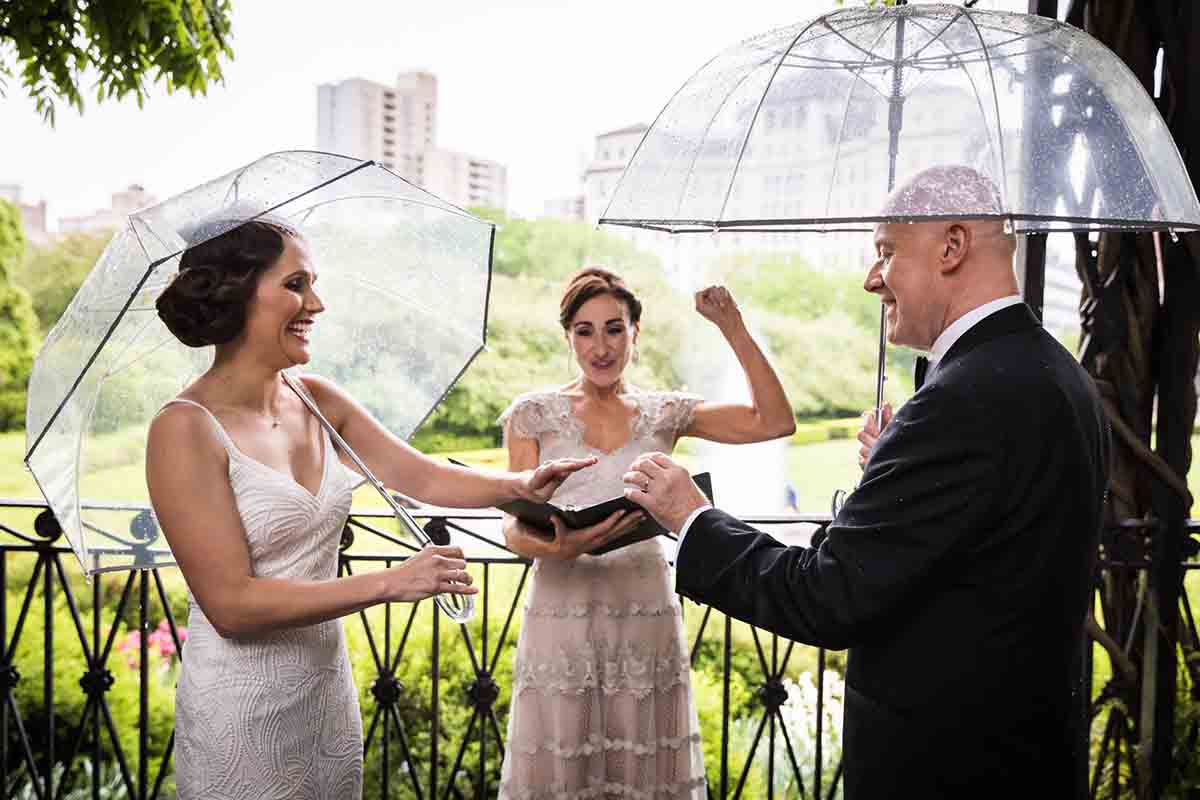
(601,700)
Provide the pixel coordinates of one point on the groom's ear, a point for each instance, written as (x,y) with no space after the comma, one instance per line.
(956,242)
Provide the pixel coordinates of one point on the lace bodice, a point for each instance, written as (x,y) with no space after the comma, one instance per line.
(549,417)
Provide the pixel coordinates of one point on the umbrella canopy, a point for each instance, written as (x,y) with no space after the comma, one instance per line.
(809,127)
(404,276)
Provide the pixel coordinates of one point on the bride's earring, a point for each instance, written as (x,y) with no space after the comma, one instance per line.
(636,354)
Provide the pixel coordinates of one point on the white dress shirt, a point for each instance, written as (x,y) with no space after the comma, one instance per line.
(941,346)
(956,329)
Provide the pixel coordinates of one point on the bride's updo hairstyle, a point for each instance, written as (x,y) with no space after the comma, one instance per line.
(593,282)
(205,303)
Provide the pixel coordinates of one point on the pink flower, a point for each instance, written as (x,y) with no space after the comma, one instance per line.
(159,642)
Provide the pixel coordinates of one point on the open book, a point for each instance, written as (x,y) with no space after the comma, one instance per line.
(537,516)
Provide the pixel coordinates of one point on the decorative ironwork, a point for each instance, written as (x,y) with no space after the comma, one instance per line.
(463,762)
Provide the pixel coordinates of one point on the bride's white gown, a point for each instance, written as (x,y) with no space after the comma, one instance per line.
(273,716)
(601,699)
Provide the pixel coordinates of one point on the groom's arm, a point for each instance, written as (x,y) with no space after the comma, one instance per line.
(931,485)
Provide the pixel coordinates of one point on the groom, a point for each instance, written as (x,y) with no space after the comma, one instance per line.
(959,572)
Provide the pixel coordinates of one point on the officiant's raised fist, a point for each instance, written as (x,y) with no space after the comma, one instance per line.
(717,305)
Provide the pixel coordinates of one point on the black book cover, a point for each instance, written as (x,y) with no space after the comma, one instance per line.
(537,516)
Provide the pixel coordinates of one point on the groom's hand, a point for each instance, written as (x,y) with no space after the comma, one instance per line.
(869,435)
(664,489)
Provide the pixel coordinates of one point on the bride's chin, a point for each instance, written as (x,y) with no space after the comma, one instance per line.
(296,356)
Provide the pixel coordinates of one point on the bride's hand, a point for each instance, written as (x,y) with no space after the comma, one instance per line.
(431,570)
(539,485)
(571,543)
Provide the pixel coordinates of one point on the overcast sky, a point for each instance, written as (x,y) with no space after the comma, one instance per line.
(528,83)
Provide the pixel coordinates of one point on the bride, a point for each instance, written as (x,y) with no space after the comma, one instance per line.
(252,498)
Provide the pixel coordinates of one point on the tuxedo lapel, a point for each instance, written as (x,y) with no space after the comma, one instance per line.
(1013,319)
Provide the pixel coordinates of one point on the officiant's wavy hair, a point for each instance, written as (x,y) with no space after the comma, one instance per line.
(593,282)
(205,303)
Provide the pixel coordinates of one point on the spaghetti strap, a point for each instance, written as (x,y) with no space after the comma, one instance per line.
(225,438)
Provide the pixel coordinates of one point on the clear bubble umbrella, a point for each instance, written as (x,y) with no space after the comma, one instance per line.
(810,127)
(405,279)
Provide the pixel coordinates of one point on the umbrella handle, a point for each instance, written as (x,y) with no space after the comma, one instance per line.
(839,496)
(880,376)
(459,608)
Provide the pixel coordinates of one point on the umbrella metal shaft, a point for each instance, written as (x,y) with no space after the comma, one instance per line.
(459,609)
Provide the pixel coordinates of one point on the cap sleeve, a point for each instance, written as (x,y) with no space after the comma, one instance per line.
(675,411)
(529,416)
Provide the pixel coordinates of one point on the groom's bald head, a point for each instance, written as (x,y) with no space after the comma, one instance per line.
(929,273)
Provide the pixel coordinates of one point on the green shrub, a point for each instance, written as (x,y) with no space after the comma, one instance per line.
(52,273)
(17,322)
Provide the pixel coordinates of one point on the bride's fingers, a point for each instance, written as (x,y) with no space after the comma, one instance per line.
(458,576)
(450,563)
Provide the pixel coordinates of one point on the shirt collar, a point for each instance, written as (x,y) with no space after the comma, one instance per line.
(969,320)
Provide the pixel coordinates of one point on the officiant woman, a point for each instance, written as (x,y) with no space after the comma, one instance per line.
(602,703)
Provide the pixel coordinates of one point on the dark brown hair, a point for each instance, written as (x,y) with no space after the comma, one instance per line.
(205,303)
(593,282)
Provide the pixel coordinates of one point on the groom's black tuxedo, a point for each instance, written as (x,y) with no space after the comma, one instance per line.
(958,573)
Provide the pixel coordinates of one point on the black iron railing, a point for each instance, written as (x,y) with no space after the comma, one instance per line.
(64,735)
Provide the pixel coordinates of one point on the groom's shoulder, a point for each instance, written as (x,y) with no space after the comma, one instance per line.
(1026,372)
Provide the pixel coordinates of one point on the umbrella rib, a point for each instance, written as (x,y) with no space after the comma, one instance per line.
(447,206)
(871,57)
(708,127)
(833,225)
(453,210)
(471,337)
(933,37)
(451,385)
(1004,204)
(487,290)
(164,343)
(132,341)
(953,60)
(834,64)
(754,117)
(845,115)
(646,135)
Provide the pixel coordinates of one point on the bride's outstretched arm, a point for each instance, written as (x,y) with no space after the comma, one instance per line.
(405,469)
(187,471)
(769,414)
